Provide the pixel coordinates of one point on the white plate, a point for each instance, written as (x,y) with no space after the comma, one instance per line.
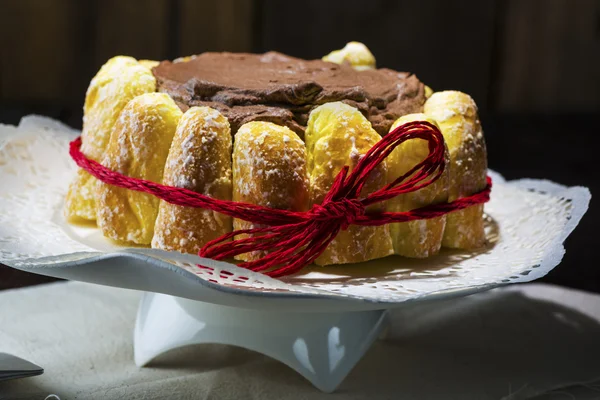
(527,225)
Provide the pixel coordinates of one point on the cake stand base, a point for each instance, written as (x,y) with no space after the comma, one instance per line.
(322,347)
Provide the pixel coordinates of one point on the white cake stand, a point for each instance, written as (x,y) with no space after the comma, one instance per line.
(322,347)
(319,322)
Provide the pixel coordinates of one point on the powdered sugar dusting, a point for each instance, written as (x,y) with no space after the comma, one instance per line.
(119,80)
(269,168)
(339,135)
(138,148)
(468,164)
(199,160)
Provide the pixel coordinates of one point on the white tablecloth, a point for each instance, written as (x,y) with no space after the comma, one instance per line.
(513,343)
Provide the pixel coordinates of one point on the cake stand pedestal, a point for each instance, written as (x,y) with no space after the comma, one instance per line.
(322,347)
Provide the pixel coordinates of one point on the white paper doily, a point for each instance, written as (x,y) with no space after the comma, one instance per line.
(528,221)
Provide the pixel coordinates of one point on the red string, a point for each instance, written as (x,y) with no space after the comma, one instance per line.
(295,239)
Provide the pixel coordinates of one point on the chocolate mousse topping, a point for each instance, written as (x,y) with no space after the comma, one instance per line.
(281,89)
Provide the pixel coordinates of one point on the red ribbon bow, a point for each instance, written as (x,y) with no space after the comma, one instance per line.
(295,239)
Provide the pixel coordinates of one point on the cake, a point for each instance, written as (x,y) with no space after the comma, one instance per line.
(272,130)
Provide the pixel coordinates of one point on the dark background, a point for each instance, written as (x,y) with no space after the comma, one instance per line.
(533,67)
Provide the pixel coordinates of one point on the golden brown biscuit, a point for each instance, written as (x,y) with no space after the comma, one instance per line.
(184,59)
(456,115)
(428,92)
(354,53)
(338,135)
(423,238)
(149,63)
(138,148)
(269,169)
(118,81)
(199,160)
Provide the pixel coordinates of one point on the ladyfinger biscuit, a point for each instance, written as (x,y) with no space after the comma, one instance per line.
(269,169)
(428,92)
(417,239)
(456,115)
(149,63)
(116,83)
(138,148)
(354,53)
(199,160)
(338,135)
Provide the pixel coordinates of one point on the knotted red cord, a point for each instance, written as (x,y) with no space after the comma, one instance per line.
(295,239)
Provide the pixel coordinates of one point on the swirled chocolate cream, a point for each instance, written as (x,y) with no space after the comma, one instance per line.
(278,88)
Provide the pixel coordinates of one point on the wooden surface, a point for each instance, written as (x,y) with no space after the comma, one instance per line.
(137,28)
(215,26)
(549,56)
(39,43)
